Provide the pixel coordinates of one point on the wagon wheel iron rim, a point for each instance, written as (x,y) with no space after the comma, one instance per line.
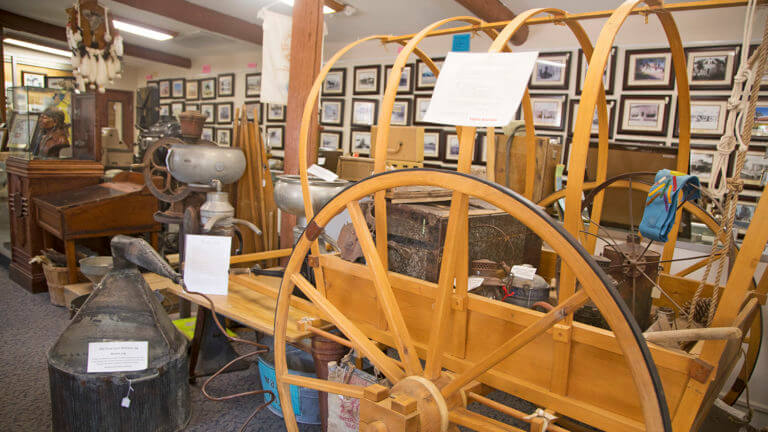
(596,288)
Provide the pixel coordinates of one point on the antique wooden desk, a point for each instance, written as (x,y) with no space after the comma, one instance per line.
(101,210)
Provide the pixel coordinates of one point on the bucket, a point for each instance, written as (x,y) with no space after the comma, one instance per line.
(56,278)
(305,401)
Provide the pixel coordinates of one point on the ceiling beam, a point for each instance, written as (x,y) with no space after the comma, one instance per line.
(201,17)
(10,20)
(493,11)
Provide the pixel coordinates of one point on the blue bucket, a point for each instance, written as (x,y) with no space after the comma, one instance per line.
(306,402)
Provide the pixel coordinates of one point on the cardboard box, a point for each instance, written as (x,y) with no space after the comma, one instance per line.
(406,143)
(355,168)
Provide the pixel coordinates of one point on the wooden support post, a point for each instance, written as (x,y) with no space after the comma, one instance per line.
(306,55)
(2,77)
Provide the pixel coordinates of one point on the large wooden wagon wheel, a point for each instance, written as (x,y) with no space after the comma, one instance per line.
(441,399)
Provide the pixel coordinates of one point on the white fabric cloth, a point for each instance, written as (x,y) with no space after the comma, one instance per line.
(276,57)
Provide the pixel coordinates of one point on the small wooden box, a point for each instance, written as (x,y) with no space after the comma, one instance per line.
(406,143)
(119,158)
(510,167)
(355,168)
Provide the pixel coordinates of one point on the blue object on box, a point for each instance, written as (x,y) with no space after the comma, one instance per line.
(460,43)
(661,204)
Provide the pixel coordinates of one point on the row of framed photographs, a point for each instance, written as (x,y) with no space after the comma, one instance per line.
(38,79)
(222,85)
(367,79)
(222,112)
(405,111)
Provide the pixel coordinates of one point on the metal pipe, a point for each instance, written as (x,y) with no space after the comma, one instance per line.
(250,225)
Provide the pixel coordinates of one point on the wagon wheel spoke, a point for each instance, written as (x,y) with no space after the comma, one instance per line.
(384,293)
(479,422)
(324,386)
(385,364)
(518,341)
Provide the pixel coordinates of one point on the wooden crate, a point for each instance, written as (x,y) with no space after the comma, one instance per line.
(547,157)
(406,143)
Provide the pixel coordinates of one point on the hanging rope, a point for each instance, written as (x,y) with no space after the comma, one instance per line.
(741,109)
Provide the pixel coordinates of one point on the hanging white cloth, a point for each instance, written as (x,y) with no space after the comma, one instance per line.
(276,57)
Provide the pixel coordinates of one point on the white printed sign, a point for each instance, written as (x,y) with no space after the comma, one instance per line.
(118,356)
(206,263)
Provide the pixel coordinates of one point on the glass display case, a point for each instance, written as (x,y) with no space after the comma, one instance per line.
(40,123)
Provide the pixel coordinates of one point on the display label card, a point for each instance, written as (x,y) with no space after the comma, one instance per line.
(474,282)
(206,263)
(118,356)
(480,89)
(460,42)
(524,272)
(322,173)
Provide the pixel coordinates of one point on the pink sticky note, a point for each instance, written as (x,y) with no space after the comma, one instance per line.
(206,68)
(149,77)
(399,48)
(251,65)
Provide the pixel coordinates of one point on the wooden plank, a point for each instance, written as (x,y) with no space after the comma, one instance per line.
(348,390)
(492,11)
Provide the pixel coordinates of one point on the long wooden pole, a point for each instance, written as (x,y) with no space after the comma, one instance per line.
(255,161)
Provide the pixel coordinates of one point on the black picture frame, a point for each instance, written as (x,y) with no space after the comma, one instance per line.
(639,79)
(249,105)
(543,66)
(335,83)
(540,99)
(325,112)
(446,138)
(208,133)
(481,148)
(206,83)
(366,88)
(406,116)
(609,73)
(764,80)
(722,101)
(164,109)
(353,135)
(712,76)
(193,107)
(222,79)
(760,132)
(423,76)
(253,85)
(178,92)
(439,150)
(611,107)
(227,131)
(375,114)
(272,111)
(60,82)
(219,107)
(270,139)
(163,87)
(627,99)
(188,93)
(339,139)
(407,72)
(418,100)
(178,106)
(209,107)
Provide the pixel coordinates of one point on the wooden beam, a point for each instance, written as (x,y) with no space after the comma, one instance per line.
(10,20)
(493,11)
(202,17)
(333,4)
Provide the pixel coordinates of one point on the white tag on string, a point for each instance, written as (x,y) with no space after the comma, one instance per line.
(126,401)
(525,272)
(655,293)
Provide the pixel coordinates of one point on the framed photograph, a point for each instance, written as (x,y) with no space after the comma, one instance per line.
(420,106)
(164,110)
(360,142)
(712,68)
(405,85)
(223,137)
(755,169)
(164,87)
(209,111)
(177,108)
(177,88)
(226,85)
(608,74)
(366,80)
(364,112)
(707,117)
(250,107)
(21,130)
(432,144)
(649,69)
(33,79)
(207,133)
(425,78)
(332,112)
(700,163)
(549,111)
(275,135)
(275,112)
(760,127)
(331,139)
(253,85)
(643,115)
(451,140)
(573,111)
(744,212)
(481,148)
(764,80)
(192,90)
(193,107)
(401,113)
(335,83)
(63,83)
(207,88)
(551,71)
(224,112)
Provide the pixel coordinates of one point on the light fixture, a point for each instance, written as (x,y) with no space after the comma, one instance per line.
(326,9)
(141,31)
(38,47)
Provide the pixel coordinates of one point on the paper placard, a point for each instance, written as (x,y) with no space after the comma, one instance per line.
(322,173)
(118,356)
(474,282)
(206,263)
(206,68)
(460,42)
(525,272)
(480,89)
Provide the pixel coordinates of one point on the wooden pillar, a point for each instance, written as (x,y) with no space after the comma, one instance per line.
(2,78)
(306,53)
